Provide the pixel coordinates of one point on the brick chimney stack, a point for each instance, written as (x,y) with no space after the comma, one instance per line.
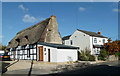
(99,32)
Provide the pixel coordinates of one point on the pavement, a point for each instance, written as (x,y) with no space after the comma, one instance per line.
(36,68)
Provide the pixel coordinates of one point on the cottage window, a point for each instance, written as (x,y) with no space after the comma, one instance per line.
(28,53)
(95,40)
(71,42)
(18,40)
(26,37)
(103,41)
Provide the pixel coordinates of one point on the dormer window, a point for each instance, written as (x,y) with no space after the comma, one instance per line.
(49,30)
(18,40)
(95,40)
(9,42)
(26,37)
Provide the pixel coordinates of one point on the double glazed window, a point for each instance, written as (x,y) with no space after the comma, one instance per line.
(95,40)
(103,41)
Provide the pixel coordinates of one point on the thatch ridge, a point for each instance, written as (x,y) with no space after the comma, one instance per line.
(32,26)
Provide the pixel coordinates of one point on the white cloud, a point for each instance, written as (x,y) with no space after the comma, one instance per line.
(82,9)
(31,19)
(23,8)
(91,0)
(116,10)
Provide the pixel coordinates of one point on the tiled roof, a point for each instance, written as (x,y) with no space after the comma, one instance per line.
(59,46)
(66,37)
(92,33)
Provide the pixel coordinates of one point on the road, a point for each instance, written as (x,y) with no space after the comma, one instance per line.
(99,69)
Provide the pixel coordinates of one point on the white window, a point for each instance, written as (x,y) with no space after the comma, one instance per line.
(95,40)
(103,41)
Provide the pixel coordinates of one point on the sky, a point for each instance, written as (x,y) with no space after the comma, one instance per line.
(89,16)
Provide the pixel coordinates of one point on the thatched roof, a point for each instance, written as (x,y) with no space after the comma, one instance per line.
(59,46)
(35,33)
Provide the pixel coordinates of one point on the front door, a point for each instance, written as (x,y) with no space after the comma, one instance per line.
(41,53)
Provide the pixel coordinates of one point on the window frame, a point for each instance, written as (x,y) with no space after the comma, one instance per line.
(95,40)
(103,41)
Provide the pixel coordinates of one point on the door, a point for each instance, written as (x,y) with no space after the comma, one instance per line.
(48,55)
(41,53)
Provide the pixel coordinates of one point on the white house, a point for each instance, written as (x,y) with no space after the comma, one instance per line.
(41,42)
(86,39)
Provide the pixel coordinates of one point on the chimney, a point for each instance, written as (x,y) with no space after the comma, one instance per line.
(53,16)
(99,32)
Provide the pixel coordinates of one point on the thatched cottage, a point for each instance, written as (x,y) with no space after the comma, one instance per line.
(41,42)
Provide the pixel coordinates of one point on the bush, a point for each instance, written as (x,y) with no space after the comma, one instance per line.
(85,55)
(91,58)
(103,55)
(117,53)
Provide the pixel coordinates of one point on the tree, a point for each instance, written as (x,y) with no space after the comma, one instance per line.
(2,47)
(112,47)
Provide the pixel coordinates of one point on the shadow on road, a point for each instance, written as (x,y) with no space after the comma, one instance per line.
(5,65)
(97,70)
(29,74)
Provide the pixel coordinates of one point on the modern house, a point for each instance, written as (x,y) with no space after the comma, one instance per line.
(41,42)
(86,39)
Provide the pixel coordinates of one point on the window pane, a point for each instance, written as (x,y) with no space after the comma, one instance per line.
(95,40)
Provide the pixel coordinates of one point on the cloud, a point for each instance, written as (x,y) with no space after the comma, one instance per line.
(31,19)
(91,0)
(116,10)
(82,9)
(23,8)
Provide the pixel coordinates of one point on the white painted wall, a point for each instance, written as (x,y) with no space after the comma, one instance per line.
(79,39)
(64,55)
(59,55)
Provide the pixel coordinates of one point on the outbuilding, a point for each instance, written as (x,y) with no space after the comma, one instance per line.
(47,52)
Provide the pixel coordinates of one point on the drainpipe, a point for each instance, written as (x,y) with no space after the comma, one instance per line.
(92,43)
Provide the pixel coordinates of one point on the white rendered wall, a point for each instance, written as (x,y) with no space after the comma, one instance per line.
(79,39)
(64,55)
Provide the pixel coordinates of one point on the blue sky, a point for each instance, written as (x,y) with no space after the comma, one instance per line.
(89,16)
